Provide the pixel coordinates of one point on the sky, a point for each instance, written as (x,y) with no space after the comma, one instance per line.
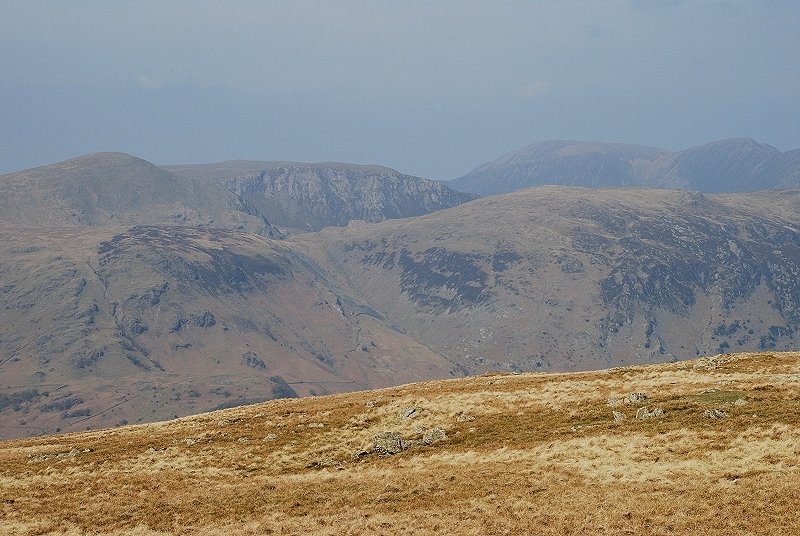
(430,88)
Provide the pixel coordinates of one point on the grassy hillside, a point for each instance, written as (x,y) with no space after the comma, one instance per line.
(494,454)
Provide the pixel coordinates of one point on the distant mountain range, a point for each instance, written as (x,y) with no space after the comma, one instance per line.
(131,292)
(733,165)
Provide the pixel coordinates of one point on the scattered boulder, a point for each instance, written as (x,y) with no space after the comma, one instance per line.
(618,416)
(740,402)
(715,413)
(434,435)
(387,443)
(645,413)
(270,437)
(463,417)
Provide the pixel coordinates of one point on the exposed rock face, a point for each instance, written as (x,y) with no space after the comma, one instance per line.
(312,196)
(568,278)
(734,165)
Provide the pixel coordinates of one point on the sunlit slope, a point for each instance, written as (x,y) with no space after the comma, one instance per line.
(714,450)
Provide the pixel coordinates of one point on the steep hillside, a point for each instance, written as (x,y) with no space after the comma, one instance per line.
(119,189)
(313,196)
(733,165)
(559,278)
(709,446)
(103,326)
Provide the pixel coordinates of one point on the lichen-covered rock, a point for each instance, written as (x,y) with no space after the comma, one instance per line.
(434,435)
(635,398)
(387,443)
(645,413)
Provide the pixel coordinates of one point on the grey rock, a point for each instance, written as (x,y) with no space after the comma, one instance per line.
(645,413)
(618,416)
(409,413)
(387,443)
(635,398)
(715,413)
(434,435)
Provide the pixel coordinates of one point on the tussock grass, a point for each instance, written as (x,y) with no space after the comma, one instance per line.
(535,454)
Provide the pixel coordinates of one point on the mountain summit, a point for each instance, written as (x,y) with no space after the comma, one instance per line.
(732,165)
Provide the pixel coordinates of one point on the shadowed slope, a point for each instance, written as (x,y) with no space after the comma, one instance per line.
(102,326)
(569,278)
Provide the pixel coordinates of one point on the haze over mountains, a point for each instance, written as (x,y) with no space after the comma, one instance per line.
(131,292)
(732,165)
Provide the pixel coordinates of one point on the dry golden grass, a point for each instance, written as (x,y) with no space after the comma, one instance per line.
(538,454)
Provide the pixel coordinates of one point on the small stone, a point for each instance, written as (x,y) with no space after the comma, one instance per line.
(614,401)
(408,413)
(463,417)
(243,440)
(634,398)
(270,437)
(151,450)
(740,402)
(644,413)
(618,416)
(359,454)
(715,414)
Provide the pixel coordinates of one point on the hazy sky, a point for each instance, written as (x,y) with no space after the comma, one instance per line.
(431,88)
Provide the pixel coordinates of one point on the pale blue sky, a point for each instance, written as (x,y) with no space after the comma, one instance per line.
(429,88)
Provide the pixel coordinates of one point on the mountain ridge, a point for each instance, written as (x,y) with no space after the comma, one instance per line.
(729,165)
(312,196)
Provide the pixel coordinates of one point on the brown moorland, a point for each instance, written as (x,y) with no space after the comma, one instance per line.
(492,454)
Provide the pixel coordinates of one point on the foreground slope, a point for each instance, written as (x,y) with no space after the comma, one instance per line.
(572,278)
(731,165)
(313,196)
(715,451)
(103,326)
